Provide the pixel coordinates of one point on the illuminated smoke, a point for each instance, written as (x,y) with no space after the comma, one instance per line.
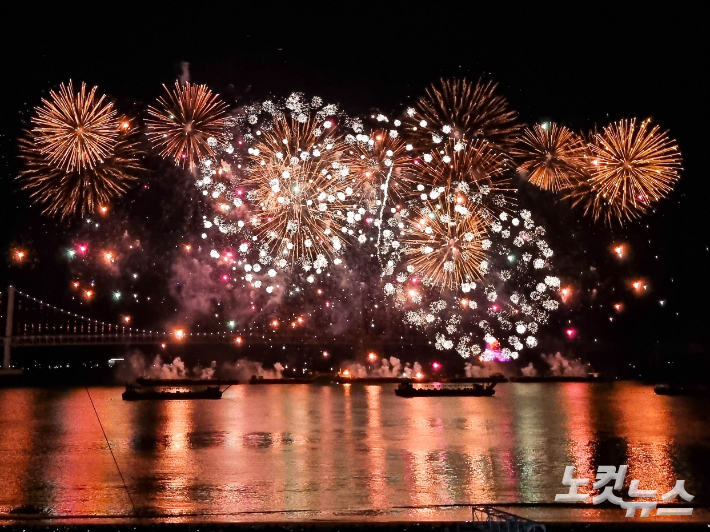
(244,369)
(529,371)
(388,368)
(564,367)
(138,365)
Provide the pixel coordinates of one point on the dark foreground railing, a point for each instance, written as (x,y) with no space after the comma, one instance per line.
(498,520)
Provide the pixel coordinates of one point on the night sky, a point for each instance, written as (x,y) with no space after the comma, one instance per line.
(583,68)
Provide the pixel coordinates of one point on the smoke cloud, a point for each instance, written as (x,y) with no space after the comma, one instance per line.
(184,76)
(529,371)
(564,367)
(138,365)
(244,369)
(557,365)
(388,368)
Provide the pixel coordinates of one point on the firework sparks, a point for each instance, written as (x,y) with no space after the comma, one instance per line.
(552,156)
(188,124)
(468,169)
(18,256)
(378,156)
(75,130)
(631,168)
(83,190)
(295,191)
(514,296)
(443,243)
(301,188)
(461,109)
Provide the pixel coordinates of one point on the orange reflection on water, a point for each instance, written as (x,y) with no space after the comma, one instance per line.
(487,451)
(577,402)
(76,464)
(17,442)
(289,447)
(297,465)
(428,483)
(166,472)
(645,421)
(376,454)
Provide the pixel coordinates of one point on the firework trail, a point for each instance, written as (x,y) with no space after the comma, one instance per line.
(382,163)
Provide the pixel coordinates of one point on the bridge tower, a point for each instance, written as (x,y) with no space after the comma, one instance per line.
(8,327)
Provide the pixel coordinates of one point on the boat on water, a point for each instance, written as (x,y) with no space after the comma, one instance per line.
(285,380)
(149,382)
(477,390)
(592,377)
(136,393)
(677,389)
(669,389)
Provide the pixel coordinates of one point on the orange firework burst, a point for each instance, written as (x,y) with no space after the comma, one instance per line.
(461,109)
(82,190)
(298,182)
(75,130)
(443,245)
(631,168)
(552,156)
(471,168)
(185,121)
(381,160)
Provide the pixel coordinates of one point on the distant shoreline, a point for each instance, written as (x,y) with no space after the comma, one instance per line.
(47,379)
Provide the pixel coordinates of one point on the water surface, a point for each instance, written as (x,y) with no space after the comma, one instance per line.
(328,449)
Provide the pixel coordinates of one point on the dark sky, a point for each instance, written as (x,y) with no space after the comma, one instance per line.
(581,65)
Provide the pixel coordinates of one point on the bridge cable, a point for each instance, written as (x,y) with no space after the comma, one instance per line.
(111,450)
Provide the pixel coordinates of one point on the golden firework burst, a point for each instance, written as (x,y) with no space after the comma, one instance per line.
(303,189)
(75,130)
(383,161)
(631,167)
(552,156)
(473,167)
(462,109)
(82,190)
(443,242)
(187,124)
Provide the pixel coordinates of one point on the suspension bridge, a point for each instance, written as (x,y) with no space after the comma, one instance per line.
(29,321)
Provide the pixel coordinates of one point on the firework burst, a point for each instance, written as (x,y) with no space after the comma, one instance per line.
(494,318)
(188,124)
(461,109)
(382,159)
(443,243)
(470,168)
(75,130)
(298,182)
(551,155)
(82,190)
(631,168)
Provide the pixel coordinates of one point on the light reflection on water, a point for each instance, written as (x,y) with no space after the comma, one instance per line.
(338,448)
